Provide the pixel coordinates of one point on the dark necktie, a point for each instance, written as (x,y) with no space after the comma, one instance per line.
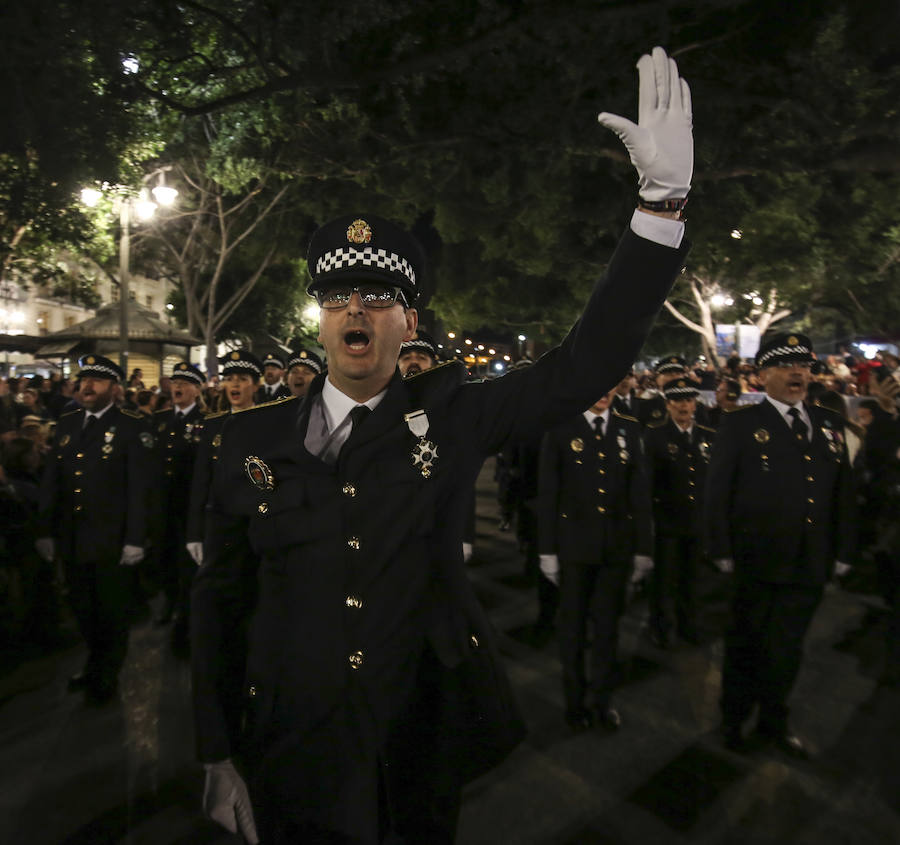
(179,416)
(686,439)
(357,415)
(598,426)
(798,427)
(89,423)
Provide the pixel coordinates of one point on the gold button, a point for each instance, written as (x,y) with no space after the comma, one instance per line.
(690,498)
(77,489)
(80,455)
(602,471)
(169,473)
(764,457)
(349,490)
(691,469)
(168,445)
(356,659)
(601,509)
(807,458)
(691,484)
(77,508)
(78,472)
(564,515)
(809,478)
(353,601)
(809,520)
(353,542)
(601,490)
(811,501)
(474,641)
(601,455)
(252,691)
(263,507)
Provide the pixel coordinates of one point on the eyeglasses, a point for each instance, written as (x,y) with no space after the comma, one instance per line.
(371,296)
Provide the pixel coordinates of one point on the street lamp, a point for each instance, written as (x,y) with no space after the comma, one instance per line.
(131,207)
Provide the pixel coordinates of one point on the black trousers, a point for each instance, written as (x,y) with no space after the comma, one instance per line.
(763,650)
(589,594)
(672,588)
(102,597)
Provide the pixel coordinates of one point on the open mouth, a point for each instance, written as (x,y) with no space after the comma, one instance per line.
(356,339)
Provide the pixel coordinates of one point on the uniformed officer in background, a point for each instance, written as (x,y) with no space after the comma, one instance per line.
(177,432)
(273,386)
(374,690)
(594,531)
(94,501)
(652,409)
(678,452)
(624,401)
(779,513)
(303,366)
(728,391)
(417,354)
(240,373)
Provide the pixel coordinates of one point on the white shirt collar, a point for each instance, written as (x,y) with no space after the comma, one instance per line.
(97,414)
(590,416)
(337,405)
(784,407)
(185,411)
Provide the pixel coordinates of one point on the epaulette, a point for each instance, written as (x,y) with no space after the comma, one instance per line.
(624,416)
(162,411)
(135,415)
(657,424)
(425,387)
(741,407)
(216,414)
(266,404)
(705,427)
(69,413)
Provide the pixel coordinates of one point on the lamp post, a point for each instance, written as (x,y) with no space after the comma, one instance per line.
(131,207)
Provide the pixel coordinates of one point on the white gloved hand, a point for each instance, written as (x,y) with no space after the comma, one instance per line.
(724,564)
(661,144)
(550,568)
(467,552)
(195,550)
(46,548)
(643,566)
(841,569)
(226,800)
(131,555)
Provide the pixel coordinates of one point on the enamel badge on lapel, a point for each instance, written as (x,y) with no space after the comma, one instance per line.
(146,439)
(703,446)
(425,452)
(834,438)
(188,431)
(577,445)
(673,449)
(108,435)
(258,473)
(761,435)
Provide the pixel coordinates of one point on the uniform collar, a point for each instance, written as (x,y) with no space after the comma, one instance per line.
(590,416)
(97,414)
(337,405)
(185,411)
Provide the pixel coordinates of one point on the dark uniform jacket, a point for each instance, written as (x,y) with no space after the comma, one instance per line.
(281,392)
(783,511)
(677,470)
(177,440)
(96,485)
(593,499)
(209,437)
(359,579)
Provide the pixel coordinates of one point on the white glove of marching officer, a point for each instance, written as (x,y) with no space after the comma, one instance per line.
(45,548)
(195,550)
(841,569)
(661,144)
(131,555)
(724,564)
(226,800)
(643,566)
(550,568)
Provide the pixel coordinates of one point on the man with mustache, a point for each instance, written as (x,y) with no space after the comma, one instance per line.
(93,513)
(373,690)
(417,354)
(779,514)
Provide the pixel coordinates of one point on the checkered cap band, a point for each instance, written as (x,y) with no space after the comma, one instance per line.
(785,352)
(241,366)
(419,343)
(670,367)
(310,362)
(99,370)
(344,257)
(271,359)
(685,392)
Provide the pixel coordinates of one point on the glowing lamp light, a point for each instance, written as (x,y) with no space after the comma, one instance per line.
(311,312)
(90,197)
(164,195)
(737,234)
(522,338)
(468,342)
(451,335)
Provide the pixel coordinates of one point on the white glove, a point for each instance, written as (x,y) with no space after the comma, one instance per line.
(724,564)
(226,800)
(467,552)
(550,568)
(131,555)
(661,145)
(841,569)
(643,566)
(195,550)
(46,548)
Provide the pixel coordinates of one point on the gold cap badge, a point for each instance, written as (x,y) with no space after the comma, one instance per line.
(303,354)
(90,360)
(235,356)
(182,366)
(792,341)
(359,232)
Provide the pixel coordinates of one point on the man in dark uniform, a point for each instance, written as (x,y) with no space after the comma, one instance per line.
(273,386)
(373,687)
(303,366)
(779,512)
(594,521)
(728,391)
(93,513)
(240,372)
(624,400)
(417,354)
(652,409)
(177,432)
(678,452)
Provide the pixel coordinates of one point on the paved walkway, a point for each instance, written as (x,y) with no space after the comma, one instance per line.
(125,773)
